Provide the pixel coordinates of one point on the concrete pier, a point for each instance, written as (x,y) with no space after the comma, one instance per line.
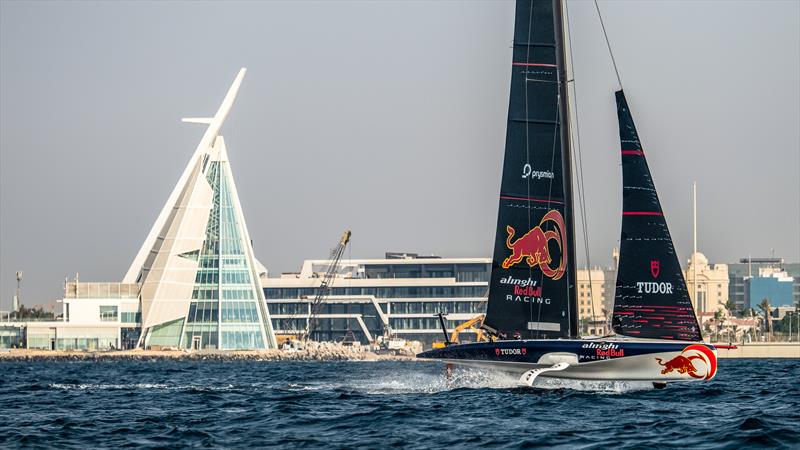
(761,350)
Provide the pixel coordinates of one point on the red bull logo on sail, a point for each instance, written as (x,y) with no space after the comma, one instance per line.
(533,246)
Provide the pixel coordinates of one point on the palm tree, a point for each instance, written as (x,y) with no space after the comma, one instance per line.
(731,307)
(718,316)
(764,306)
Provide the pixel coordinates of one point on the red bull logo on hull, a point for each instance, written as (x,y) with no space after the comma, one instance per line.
(685,363)
(533,246)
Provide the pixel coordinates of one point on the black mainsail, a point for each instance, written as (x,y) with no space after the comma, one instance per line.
(532,292)
(651,299)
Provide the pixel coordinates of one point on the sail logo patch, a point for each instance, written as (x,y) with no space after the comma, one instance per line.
(685,362)
(533,246)
(527,171)
(650,287)
(518,281)
(655,268)
(525,290)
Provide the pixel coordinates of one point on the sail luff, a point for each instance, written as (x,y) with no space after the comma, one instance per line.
(562,62)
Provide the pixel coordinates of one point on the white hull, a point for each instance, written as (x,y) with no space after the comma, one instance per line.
(662,362)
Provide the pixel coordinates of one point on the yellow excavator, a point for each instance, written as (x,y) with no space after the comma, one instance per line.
(472,324)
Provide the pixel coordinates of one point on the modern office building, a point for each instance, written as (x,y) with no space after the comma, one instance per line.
(741,274)
(96,316)
(398,296)
(771,284)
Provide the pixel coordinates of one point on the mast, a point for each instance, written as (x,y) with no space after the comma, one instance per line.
(566,162)
(694,240)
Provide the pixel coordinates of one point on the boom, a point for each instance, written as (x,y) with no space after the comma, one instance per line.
(325,285)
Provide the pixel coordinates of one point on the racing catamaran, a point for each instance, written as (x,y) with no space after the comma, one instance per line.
(532,306)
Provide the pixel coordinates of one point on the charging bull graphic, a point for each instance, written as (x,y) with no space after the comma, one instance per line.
(684,363)
(533,246)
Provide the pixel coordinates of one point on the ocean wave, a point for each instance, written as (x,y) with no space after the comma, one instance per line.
(398,404)
(137,386)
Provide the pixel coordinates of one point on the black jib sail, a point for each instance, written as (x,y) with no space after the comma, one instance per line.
(651,299)
(531,294)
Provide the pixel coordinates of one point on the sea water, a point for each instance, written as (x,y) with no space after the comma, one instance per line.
(236,404)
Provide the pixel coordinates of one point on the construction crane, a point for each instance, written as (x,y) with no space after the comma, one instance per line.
(473,324)
(325,284)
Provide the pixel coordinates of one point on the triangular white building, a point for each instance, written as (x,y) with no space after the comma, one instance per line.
(198,277)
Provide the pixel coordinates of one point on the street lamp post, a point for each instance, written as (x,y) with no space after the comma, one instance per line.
(15,302)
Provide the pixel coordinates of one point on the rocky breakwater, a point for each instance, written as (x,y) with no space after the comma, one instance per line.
(311,352)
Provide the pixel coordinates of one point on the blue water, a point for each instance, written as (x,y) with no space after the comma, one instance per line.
(380,404)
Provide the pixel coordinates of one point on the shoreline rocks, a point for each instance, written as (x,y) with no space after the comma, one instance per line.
(320,353)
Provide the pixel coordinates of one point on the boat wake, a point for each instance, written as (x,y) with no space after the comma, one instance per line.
(413,382)
(611,387)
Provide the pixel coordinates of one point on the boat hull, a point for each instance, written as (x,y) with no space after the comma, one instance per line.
(618,360)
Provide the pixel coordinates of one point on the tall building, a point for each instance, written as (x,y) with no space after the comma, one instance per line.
(194,283)
(594,302)
(200,282)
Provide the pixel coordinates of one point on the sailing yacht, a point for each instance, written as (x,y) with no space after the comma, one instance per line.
(532,309)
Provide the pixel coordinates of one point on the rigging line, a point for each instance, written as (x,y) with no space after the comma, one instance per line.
(527,142)
(578,159)
(608,43)
(527,123)
(556,128)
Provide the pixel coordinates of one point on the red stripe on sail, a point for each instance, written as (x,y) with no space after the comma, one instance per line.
(633,152)
(641,213)
(532,64)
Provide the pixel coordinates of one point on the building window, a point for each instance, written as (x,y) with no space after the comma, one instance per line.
(108,314)
(131,317)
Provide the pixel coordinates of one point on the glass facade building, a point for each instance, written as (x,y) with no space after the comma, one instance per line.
(740,275)
(224,312)
(398,296)
(200,286)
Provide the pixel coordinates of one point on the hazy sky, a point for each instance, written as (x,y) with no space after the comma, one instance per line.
(387,118)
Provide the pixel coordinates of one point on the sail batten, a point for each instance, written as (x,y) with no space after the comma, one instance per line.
(531,292)
(651,299)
